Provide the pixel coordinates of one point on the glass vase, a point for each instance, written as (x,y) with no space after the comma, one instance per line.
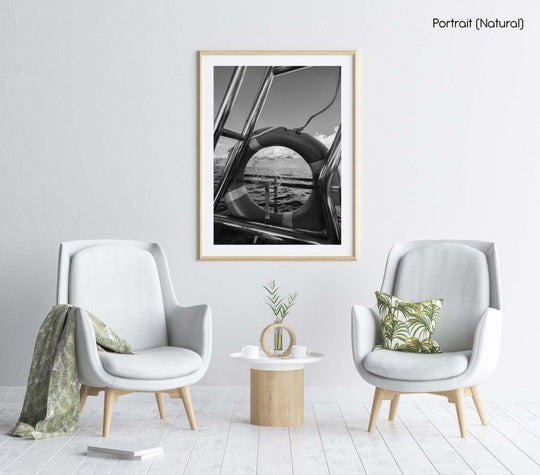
(278,340)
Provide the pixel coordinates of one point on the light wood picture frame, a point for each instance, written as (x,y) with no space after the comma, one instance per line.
(277,155)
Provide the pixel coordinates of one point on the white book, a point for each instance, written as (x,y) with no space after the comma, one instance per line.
(126,449)
(92,453)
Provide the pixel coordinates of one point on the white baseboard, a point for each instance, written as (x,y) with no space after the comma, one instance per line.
(312,394)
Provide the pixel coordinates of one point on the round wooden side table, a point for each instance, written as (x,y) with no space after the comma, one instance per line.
(277,389)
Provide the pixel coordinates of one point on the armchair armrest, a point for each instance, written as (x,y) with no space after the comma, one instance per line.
(365,331)
(486,348)
(191,327)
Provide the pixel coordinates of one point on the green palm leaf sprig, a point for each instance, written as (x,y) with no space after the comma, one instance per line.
(430,346)
(407,309)
(384,302)
(431,312)
(280,306)
(393,328)
(421,324)
(411,345)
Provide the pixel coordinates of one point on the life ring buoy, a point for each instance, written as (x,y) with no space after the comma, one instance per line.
(309,215)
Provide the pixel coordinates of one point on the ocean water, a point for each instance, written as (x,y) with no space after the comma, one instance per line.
(288,198)
(283,170)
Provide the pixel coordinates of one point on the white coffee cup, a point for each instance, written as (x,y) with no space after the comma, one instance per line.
(299,351)
(250,352)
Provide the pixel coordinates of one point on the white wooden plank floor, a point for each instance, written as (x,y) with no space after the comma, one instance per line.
(424,438)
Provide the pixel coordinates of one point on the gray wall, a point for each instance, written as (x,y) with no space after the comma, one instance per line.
(98,135)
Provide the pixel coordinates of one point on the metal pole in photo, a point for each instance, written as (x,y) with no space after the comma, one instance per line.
(231,167)
(275,195)
(267,201)
(325,185)
(228,101)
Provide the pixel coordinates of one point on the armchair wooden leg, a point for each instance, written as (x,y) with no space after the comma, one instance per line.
(478,404)
(110,398)
(375,408)
(460,410)
(186,398)
(85,390)
(393,407)
(161,405)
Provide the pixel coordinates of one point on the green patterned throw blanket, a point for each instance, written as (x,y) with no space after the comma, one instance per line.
(51,404)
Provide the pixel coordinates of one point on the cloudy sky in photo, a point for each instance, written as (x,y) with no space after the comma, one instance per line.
(293,98)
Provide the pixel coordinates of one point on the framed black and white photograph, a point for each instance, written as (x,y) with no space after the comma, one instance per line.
(277,155)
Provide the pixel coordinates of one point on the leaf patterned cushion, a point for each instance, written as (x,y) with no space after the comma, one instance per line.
(408,326)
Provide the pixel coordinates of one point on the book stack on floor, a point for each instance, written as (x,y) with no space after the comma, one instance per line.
(124,450)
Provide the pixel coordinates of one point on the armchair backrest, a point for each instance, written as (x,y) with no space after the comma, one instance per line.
(126,284)
(463,273)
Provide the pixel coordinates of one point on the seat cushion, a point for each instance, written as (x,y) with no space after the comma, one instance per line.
(416,366)
(155,363)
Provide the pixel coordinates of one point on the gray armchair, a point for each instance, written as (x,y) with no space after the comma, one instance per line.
(127,285)
(463,273)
